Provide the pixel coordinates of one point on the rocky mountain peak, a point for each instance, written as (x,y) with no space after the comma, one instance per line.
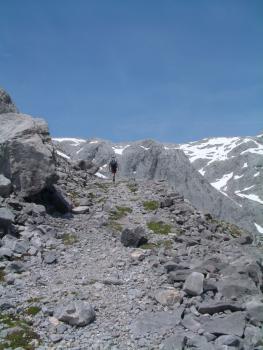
(6,104)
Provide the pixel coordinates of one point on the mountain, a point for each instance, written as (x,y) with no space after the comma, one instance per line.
(234,166)
(149,159)
(89,264)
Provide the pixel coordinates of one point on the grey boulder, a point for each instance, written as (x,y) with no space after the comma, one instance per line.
(26,153)
(76,313)
(194,284)
(133,237)
(233,324)
(6,219)
(5,186)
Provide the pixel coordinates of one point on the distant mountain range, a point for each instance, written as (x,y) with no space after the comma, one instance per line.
(222,176)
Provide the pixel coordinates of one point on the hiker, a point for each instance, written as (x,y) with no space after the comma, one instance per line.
(113,167)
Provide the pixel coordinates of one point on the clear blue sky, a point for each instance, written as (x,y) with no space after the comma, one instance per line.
(172,70)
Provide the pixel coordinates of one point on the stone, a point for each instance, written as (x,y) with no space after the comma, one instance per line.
(233,324)
(191,323)
(55,338)
(6,220)
(50,258)
(26,153)
(229,340)
(156,322)
(255,310)
(80,210)
(253,335)
(21,247)
(236,286)
(5,304)
(168,297)
(174,342)
(16,266)
(178,276)
(133,237)
(194,284)
(76,313)
(5,186)
(213,308)
(138,255)
(166,203)
(5,252)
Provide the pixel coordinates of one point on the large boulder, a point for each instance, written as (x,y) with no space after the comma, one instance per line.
(26,153)
(6,104)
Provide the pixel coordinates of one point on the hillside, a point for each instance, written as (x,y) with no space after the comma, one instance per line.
(204,188)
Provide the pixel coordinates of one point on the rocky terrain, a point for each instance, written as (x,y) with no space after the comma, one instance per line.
(86,264)
(223,176)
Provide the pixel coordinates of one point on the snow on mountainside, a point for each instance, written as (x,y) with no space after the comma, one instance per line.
(233,166)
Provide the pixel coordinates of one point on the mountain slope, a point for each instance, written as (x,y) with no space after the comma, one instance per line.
(151,160)
(234,166)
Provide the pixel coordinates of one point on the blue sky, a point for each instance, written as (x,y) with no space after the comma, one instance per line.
(172,70)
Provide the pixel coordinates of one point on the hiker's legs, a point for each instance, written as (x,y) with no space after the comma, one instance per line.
(113,177)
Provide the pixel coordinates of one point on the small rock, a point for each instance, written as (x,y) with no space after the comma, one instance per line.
(194,284)
(50,258)
(76,313)
(133,237)
(168,296)
(174,342)
(80,210)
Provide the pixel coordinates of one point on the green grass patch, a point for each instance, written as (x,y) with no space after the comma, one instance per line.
(167,244)
(69,238)
(119,213)
(2,275)
(115,226)
(133,187)
(150,205)
(22,336)
(159,227)
(32,310)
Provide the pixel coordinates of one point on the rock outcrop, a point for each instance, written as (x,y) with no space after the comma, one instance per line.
(6,104)
(26,154)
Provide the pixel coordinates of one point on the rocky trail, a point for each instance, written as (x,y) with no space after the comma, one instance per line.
(86,264)
(81,281)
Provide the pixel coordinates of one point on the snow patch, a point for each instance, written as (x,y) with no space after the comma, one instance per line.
(252,197)
(120,149)
(255,175)
(202,171)
(63,155)
(146,148)
(258,227)
(98,174)
(94,142)
(245,165)
(79,150)
(221,183)
(76,142)
(236,177)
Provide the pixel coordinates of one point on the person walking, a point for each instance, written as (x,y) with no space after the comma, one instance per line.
(113,167)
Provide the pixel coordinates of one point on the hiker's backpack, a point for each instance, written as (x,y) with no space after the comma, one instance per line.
(113,165)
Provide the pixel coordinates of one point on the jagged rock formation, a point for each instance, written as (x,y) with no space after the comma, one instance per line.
(26,156)
(152,160)
(234,166)
(6,104)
